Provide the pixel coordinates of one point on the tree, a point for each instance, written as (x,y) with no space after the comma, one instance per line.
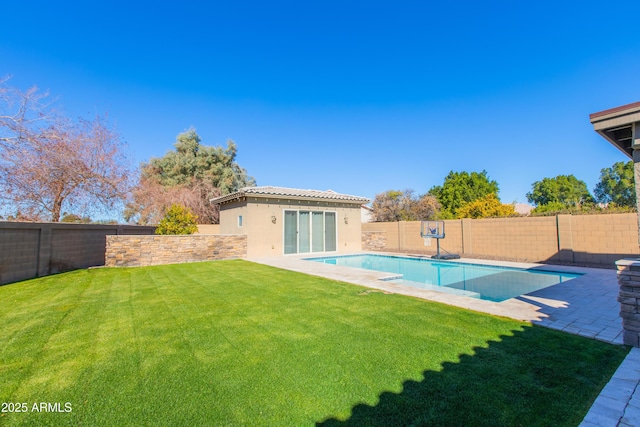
(617,185)
(191,175)
(151,199)
(396,205)
(178,220)
(425,208)
(73,218)
(49,162)
(488,206)
(460,188)
(191,160)
(552,208)
(387,206)
(564,189)
(22,114)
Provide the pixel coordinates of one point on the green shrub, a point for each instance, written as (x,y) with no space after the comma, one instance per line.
(178,220)
(488,206)
(556,208)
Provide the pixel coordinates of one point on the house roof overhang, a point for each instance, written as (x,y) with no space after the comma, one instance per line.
(620,126)
(289,194)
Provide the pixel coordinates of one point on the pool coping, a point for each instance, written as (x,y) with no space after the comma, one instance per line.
(398,278)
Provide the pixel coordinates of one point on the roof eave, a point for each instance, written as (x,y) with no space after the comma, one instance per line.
(625,150)
(239,196)
(615,112)
(610,123)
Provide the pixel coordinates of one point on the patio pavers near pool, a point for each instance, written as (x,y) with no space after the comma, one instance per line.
(619,402)
(586,306)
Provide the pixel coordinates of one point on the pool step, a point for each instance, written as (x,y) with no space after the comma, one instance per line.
(436,288)
(391,278)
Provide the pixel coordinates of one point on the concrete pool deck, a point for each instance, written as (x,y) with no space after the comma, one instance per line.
(586,306)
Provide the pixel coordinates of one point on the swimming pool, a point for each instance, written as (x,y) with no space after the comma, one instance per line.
(471,280)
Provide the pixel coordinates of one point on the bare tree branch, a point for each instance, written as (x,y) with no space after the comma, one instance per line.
(48,162)
(22,113)
(151,200)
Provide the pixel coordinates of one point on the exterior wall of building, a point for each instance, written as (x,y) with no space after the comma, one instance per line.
(597,240)
(366,214)
(229,217)
(266,238)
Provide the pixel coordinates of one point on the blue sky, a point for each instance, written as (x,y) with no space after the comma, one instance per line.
(355,96)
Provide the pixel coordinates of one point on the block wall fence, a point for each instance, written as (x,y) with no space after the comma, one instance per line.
(593,240)
(29,250)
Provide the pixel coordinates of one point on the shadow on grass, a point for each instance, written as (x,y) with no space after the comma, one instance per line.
(535,377)
(35,277)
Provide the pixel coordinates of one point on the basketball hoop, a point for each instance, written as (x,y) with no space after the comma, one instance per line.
(435,230)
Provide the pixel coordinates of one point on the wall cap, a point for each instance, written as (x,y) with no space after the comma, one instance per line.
(629,261)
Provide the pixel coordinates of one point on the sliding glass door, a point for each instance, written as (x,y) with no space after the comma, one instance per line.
(304,235)
(330,231)
(317,233)
(309,231)
(290,232)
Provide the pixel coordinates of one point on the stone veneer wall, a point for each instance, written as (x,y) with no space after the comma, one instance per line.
(135,251)
(374,241)
(629,298)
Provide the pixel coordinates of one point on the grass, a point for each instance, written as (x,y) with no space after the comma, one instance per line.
(237,343)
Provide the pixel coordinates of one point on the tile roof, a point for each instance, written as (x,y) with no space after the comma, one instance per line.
(293,193)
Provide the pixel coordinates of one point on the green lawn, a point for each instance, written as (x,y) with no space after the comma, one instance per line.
(237,343)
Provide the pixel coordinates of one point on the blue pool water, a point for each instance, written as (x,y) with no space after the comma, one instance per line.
(472,280)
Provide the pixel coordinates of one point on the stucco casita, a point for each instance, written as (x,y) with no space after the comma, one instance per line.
(259,213)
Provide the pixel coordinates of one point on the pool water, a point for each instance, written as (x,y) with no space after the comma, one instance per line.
(471,280)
